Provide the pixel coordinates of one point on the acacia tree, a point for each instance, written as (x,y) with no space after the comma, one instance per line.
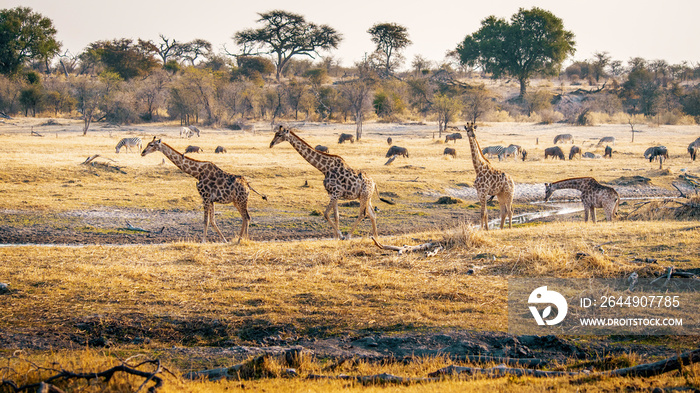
(389,38)
(25,35)
(533,42)
(285,35)
(123,57)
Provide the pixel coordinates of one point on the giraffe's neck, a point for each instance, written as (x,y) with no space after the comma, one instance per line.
(579,183)
(187,165)
(481,163)
(311,155)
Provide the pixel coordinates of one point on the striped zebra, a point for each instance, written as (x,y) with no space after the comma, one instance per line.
(189,131)
(494,151)
(512,151)
(129,143)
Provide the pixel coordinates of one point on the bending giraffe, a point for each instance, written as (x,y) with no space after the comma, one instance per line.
(341,181)
(490,181)
(593,194)
(213,184)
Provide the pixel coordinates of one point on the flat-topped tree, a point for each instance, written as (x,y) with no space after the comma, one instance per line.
(285,35)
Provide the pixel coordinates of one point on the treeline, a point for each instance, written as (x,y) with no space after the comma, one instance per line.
(124,81)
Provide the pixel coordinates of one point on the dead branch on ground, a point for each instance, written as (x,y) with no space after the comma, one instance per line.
(431,248)
(49,387)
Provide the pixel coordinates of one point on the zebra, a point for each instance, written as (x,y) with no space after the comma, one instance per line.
(129,143)
(514,151)
(189,131)
(564,138)
(493,151)
(606,139)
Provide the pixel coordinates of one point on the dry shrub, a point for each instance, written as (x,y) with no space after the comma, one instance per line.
(548,260)
(548,116)
(667,209)
(465,236)
(498,116)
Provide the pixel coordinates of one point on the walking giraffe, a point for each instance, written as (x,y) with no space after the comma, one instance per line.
(593,194)
(341,181)
(490,181)
(213,184)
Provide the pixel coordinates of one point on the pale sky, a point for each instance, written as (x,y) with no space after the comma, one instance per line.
(667,30)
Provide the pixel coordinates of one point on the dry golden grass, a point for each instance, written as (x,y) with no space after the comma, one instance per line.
(25,369)
(215,294)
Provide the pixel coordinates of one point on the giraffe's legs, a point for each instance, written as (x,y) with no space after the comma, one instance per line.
(593,214)
(372,217)
(360,215)
(484,213)
(243,209)
(207,210)
(213,223)
(335,222)
(585,213)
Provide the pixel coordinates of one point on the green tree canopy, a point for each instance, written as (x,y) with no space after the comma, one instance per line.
(533,42)
(25,35)
(285,35)
(123,57)
(389,38)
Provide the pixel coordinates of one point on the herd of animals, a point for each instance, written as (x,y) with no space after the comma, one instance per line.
(345,183)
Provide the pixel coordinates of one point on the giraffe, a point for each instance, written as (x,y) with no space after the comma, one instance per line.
(341,181)
(213,184)
(593,194)
(490,181)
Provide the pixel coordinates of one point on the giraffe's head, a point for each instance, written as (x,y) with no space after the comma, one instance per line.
(547,191)
(152,146)
(280,136)
(470,127)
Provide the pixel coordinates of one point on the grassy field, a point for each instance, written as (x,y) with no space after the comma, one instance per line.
(179,301)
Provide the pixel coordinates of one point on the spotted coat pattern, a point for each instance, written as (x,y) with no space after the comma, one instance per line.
(593,195)
(213,184)
(490,181)
(341,182)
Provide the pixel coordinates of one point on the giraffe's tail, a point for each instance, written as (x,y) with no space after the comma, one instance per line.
(388,201)
(264,197)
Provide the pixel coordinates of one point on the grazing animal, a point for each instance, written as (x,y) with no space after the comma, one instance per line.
(189,131)
(397,151)
(693,149)
(493,151)
(563,138)
(588,154)
(450,151)
(593,195)
(321,148)
(214,186)
(220,149)
(574,151)
(453,137)
(656,152)
(341,181)
(554,152)
(513,151)
(606,139)
(608,152)
(346,137)
(129,143)
(524,153)
(490,181)
(193,149)
(389,141)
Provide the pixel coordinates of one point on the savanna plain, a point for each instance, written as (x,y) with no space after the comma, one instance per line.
(104,262)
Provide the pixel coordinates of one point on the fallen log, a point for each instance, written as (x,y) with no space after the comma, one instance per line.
(406,249)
